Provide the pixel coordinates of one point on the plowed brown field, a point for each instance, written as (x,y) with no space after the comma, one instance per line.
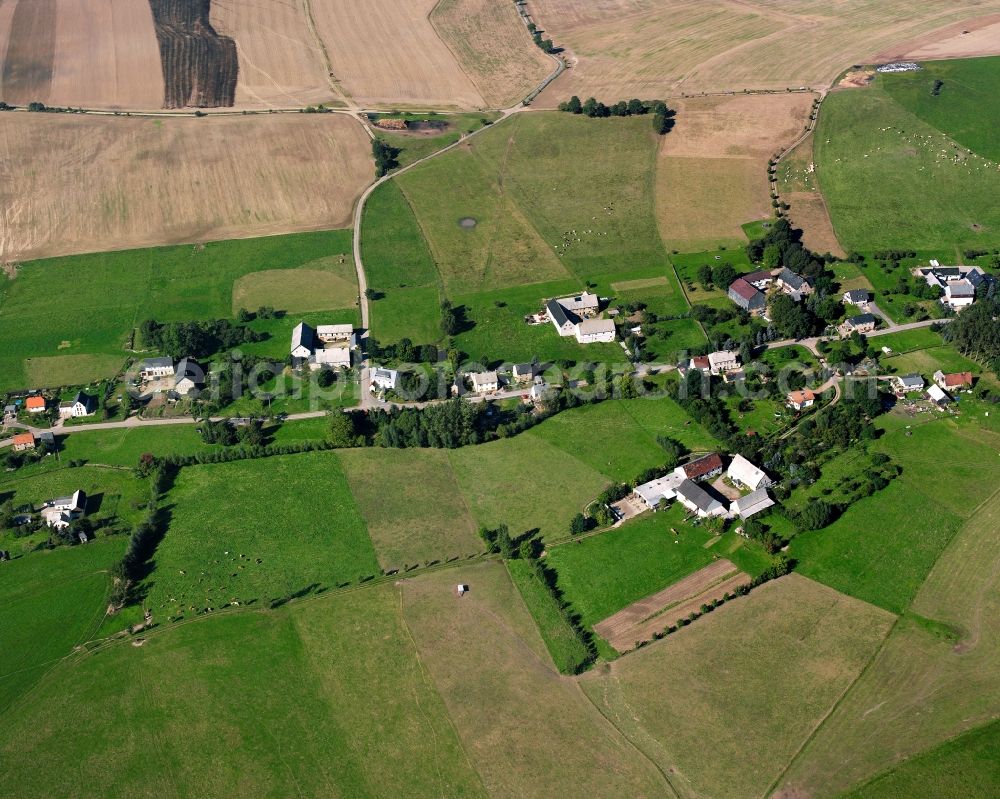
(640,620)
(73,184)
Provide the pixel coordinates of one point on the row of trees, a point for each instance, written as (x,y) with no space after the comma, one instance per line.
(663,117)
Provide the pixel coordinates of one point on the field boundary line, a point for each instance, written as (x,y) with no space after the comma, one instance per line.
(331,79)
(628,740)
(839,701)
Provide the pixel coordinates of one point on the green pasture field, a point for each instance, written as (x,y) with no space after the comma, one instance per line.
(672,339)
(520,184)
(891,179)
(567,650)
(626,449)
(412,505)
(767,668)
(502,249)
(87,328)
(935,677)
(50,601)
(917,339)
(766,417)
(601,574)
(966,106)
(964,767)
(525,483)
(414,146)
(339,677)
(849,276)
(323,285)
(527,730)
(258,530)
(885,562)
(627,431)
(398,266)
(656,286)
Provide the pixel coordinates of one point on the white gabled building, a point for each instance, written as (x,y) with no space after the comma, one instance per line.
(383,379)
(484,382)
(589,331)
(723,361)
(744,473)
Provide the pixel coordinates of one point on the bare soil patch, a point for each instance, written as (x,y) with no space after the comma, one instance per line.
(977,37)
(857,79)
(641,619)
(810,214)
(86,184)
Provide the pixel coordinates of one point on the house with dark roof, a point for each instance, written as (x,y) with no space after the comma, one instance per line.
(523,372)
(856,297)
(760,279)
(862,323)
(746,296)
(794,284)
(561,319)
(303,343)
(907,383)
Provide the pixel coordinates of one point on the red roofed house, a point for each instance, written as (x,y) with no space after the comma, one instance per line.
(801,399)
(23,441)
(35,404)
(953,380)
(701,363)
(707,466)
(746,296)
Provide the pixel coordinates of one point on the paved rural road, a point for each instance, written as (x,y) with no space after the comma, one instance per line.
(810,343)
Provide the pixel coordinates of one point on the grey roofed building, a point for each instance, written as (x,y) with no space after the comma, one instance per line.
(792,280)
(188,376)
(694,497)
(157,363)
(856,296)
(961,288)
(752,503)
(523,371)
(910,382)
(46,437)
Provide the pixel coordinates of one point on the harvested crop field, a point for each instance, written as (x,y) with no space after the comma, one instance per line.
(965,40)
(493,47)
(385,52)
(712,169)
(724,703)
(640,620)
(628,48)
(86,184)
(80,52)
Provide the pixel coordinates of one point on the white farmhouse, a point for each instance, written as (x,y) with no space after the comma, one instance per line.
(383,379)
(744,473)
(484,382)
(59,512)
(723,361)
(589,331)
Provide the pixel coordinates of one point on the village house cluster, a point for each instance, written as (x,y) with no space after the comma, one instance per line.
(742,492)
(323,346)
(958,283)
(579,316)
(749,292)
